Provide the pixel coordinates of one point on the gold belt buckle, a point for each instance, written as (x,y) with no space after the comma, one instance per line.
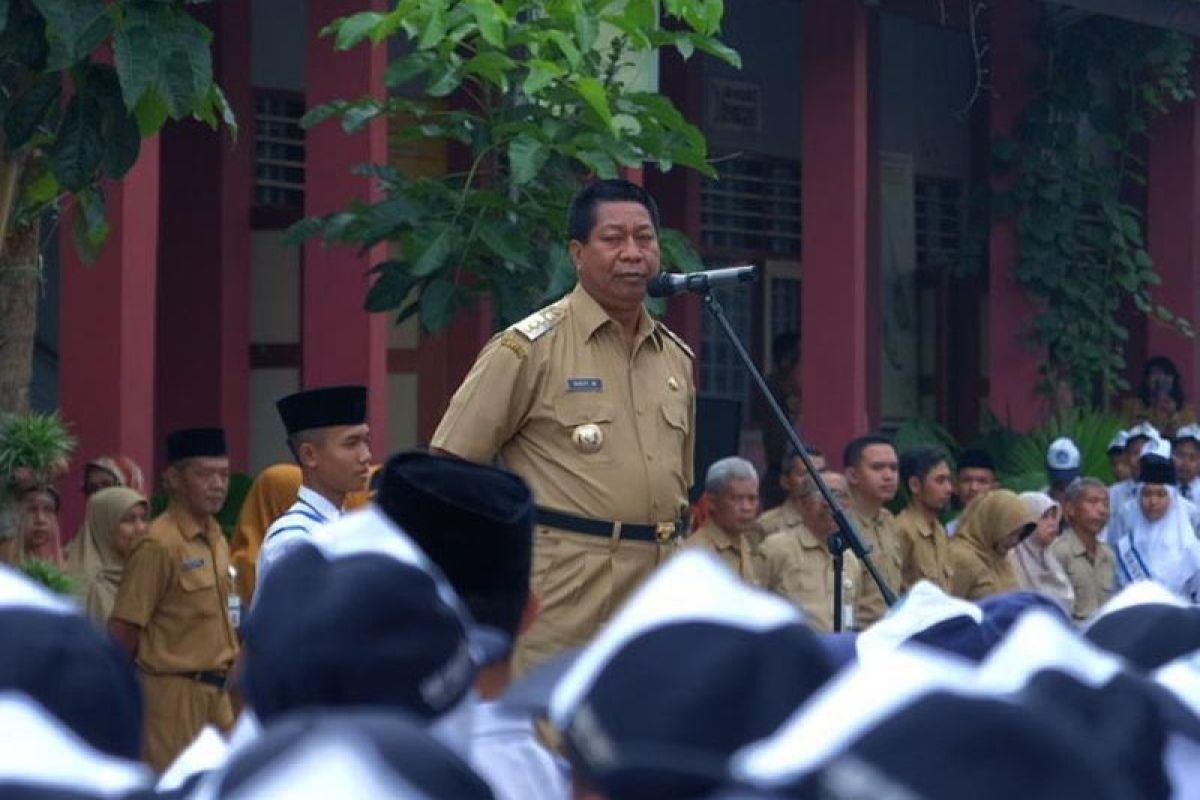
(664,532)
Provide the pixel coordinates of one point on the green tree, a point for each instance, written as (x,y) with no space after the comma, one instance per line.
(539,96)
(81,83)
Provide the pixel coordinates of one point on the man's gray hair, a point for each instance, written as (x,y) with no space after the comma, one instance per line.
(1077,487)
(727,470)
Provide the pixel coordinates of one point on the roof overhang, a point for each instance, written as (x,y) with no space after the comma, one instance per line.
(1179,15)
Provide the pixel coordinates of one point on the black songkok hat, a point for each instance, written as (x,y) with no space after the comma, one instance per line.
(976,459)
(474,521)
(1155,469)
(196,443)
(323,408)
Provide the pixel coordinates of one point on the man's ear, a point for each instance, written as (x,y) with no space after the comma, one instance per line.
(913,489)
(306,454)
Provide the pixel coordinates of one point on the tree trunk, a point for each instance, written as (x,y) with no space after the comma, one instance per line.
(20,287)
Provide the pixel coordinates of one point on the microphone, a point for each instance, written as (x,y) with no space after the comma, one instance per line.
(669,284)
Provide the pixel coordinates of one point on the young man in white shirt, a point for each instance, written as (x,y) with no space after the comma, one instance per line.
(328,435)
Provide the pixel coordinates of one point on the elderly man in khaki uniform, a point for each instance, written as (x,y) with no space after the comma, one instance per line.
(1088,562)
(797,563)
(732,488)
(873,473)
(172,609)
(792,481)
(924,545)
(592,402)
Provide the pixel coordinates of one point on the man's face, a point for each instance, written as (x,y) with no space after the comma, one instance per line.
(619,257)
(95,479)
(39,519)
(876,476)
(201,484)
(1155,500)
(1089,513)
(1122,470)
(735,507)
(973,482)
(1133,451)
(793,481)
(340,456)
(816,513)
(934,490)
(1186,454)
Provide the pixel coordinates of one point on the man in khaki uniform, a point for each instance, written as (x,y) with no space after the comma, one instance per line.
(792,480)
(172,609)
(1088,562)
(732,488)
(873,473)
(592,402)
(797,563)
(924,545)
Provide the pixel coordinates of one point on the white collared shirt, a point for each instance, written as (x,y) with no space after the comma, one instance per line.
(505,752)
(310,511)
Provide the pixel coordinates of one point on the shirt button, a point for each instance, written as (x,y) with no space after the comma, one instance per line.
(650,456)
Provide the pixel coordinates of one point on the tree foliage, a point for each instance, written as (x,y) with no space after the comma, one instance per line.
(1077,167)
(539,96)
(81,83)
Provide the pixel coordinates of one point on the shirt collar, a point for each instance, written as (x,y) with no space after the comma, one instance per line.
(184,523)
(809,540)
(924,526)
(319,504)
(718,536)
(590,317)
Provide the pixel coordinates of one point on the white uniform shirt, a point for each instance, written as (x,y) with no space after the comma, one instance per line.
(296,525)
(505,752)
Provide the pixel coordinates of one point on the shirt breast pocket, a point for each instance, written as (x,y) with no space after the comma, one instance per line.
(675,415)
(199,585)
(586,423)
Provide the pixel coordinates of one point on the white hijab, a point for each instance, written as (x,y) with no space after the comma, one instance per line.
(1166,551)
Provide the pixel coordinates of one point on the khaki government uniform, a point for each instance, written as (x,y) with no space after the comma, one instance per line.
(597,432)
(880,534)
(798,566)
(739,553)
(924,551)
(1092,576)
(176,590)
(777,519)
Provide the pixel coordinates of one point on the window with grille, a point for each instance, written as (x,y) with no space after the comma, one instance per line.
(938,220)
(721,371)
(753,207)
(279,150)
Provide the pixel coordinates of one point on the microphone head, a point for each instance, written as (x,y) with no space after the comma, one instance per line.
(660,285)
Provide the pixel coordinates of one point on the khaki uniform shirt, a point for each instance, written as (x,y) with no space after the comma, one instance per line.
(1091,576)
(777,519)
(880,533)
(594,430)
(924,551)
(799,566)
(738,552)
(176,590)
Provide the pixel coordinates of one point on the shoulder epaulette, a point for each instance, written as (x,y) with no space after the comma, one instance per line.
(677,339)
(540,322)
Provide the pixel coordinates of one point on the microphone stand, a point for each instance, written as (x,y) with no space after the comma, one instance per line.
(846,537)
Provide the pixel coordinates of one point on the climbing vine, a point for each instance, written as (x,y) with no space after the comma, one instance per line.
(1077,169)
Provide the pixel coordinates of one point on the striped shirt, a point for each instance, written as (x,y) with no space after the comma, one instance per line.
(296,525)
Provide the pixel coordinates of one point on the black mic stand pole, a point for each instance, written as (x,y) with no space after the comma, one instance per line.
(846,537)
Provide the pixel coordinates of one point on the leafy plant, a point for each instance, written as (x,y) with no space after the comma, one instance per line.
(538,96)
(1074,161)
(1091,432)
(49,576)
(917,431)
(37,443)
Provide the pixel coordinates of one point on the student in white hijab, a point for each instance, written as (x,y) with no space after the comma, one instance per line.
(1037,568)
(1155,539)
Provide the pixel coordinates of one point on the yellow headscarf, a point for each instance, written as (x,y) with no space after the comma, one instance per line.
(272,493)
(987,521)
(95,562)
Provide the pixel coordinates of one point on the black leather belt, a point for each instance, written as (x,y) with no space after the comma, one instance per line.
(661,533)
(212,677)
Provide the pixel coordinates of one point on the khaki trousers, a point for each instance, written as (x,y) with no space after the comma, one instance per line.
(580,581)
(177,708)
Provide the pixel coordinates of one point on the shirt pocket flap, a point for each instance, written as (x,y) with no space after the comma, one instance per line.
(676,415)
(579,409)
(197,578)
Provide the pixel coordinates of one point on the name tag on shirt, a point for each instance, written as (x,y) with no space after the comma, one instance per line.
(585,385)
(192,563)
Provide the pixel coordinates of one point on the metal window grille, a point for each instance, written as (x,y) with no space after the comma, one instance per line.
(937,220)
(721,371)
(279,150)
(753,207)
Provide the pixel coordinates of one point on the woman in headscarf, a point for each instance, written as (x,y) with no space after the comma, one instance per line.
(1036,567)
(271,493)
(115,519)
(105,471)
(1154,539)
(992,525)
